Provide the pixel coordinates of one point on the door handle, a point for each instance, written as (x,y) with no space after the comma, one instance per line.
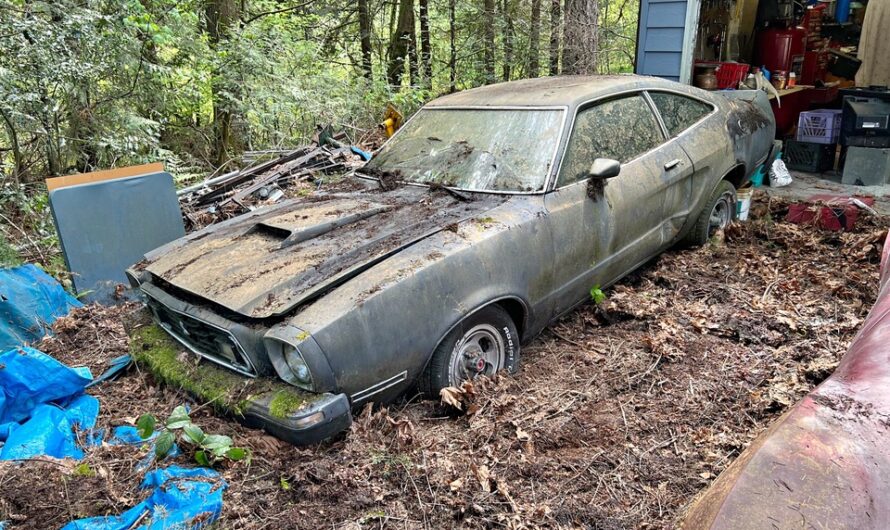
(672,164)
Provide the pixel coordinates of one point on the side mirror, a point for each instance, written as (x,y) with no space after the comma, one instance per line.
(605,168)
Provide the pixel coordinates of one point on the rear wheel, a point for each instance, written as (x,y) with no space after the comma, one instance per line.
(483,344)
(717,214)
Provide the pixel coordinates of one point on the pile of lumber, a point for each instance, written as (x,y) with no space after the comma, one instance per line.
(262,182)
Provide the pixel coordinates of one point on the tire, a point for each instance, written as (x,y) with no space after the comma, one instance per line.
(488,343)
(721,206)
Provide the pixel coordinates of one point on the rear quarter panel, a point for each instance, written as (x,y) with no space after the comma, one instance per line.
(750,124)
(739,134)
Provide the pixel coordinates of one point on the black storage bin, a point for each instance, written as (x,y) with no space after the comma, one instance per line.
(843,65)
(810,157)
(866,122)
(873,91)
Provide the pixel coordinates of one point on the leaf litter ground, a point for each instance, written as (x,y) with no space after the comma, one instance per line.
(621,413)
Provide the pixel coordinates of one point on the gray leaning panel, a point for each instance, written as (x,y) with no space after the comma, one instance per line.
(104,227)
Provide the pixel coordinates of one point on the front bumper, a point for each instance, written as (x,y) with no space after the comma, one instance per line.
(282,410)
(322,419)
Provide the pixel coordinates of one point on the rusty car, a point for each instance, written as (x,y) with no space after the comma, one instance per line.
(488,215)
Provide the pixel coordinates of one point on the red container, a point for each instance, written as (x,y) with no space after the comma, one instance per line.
(728,74)
(815,66)
(781,49)
(839,214)
(812,23)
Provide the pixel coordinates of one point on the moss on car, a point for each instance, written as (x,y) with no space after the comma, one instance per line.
(227,391)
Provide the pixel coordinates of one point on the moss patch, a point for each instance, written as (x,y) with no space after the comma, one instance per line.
(229,392)
(284,403)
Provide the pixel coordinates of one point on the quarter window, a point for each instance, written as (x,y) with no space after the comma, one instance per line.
(679,112)
(620,129)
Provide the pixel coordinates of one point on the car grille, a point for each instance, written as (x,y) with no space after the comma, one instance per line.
(204,339)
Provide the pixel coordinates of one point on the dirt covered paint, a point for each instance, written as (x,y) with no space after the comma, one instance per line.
(268,263)
(745,118)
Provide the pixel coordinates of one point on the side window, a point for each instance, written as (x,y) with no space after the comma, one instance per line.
(679,112)
(620,129)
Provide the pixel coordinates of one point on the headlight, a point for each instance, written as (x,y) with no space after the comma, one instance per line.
(289,363)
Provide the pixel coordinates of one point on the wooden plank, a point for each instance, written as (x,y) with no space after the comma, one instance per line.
(788,91)
(245,175)
(275,175)
(55,183)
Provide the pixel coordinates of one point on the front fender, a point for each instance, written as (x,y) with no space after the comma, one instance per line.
(379,330)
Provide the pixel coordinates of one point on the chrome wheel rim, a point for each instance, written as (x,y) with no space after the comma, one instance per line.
(480,351)
(721,215)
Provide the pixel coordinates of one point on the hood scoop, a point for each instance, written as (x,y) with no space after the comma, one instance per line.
(293,234)
(269,262)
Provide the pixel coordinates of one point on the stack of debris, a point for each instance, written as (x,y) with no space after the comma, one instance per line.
(289,174)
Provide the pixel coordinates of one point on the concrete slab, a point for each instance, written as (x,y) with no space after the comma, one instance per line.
(805,185)
(867,165)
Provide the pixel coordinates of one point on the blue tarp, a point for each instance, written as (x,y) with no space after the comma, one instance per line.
(30,300)
(42,415)
(181,498)
(45,412)
(38,415)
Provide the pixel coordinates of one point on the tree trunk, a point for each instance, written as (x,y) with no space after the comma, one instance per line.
(452,59)
(555,30)
(534,40)
(221,17)
(582,38)
(488,43)
(426,52)
(364,28)
(50,122)
(413,62)
(18,165)
(508,39)
(400,43)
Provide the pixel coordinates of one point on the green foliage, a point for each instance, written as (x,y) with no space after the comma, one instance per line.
(91,84)
(9,257)
(390,462)
(84,470)
(27,232)
(145,425)
(209,448)
(597,295)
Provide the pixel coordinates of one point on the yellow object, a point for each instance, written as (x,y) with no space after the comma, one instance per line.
(392,120)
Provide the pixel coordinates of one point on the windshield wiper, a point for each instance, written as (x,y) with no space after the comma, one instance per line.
(387,180)
(435,186)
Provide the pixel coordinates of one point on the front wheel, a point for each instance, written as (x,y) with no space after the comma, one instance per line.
(483,344)
(719,211)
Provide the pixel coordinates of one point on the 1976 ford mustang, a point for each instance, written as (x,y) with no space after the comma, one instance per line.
(489,214)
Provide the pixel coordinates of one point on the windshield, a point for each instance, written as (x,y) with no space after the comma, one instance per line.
(479,150)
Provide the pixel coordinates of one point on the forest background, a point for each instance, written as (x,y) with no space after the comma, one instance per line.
(94,84)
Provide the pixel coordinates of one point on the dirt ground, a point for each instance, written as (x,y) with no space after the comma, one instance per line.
(620,414)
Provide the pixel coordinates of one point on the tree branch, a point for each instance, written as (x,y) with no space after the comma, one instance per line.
(277,11)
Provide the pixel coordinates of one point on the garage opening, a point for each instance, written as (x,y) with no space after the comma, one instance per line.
(823,64)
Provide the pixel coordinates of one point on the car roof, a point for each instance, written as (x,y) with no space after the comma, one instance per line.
(561,91)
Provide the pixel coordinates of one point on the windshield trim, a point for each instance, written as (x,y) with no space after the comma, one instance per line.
(550,171)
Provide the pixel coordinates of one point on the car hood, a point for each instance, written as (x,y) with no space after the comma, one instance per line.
(268,262)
